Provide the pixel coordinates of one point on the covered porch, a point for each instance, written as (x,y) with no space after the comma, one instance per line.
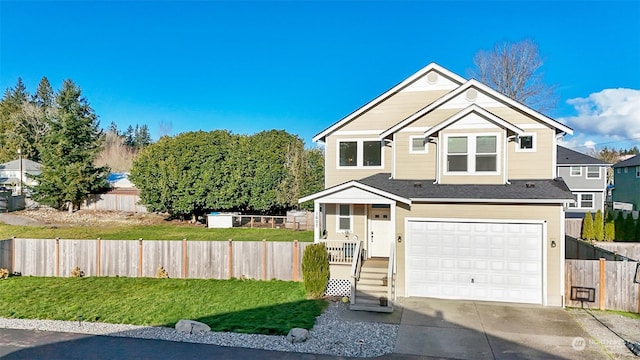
(357,223)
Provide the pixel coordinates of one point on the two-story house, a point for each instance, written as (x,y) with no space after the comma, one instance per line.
(13,174)
(586,177)
(452,187)
(626,178)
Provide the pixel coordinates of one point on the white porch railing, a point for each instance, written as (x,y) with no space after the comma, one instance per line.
(391,272)
(341,251)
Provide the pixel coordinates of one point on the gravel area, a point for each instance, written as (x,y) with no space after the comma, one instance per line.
(594,321)
(331,335)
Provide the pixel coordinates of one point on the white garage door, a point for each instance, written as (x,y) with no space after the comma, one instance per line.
(475,261)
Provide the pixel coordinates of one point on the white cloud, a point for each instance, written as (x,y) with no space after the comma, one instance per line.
(610,113)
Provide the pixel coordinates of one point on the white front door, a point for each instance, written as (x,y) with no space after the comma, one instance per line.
(380,232)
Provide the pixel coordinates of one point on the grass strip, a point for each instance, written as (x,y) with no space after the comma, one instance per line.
(245,306)
(153,232)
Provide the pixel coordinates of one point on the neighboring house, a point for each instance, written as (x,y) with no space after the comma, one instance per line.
(626,179)
(451,187)
(586,177)
(11,178)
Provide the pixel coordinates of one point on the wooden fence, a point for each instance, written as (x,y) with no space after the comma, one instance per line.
(576,249)
(627,249)
(261,260)
(611,283)
(573,227)
(117,200)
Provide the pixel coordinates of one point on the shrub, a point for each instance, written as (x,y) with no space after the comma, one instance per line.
(629,227)
(609,231)
(315,270)
(619,224)
(162,273)
(4,273)
(587,227)
(76,272)
(598,226)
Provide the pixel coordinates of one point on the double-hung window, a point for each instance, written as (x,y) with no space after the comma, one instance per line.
(344,217)
(638,171)
(472,154)
(575,171)
(417,145)
(593,172)
(583,201)
(359,153)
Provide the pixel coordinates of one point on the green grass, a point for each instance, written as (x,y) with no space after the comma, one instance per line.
(247,306)
(152,232)
(630,315)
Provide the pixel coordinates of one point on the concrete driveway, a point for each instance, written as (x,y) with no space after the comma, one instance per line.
(484,330)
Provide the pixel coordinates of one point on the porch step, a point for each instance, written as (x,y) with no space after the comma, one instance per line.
(371,305)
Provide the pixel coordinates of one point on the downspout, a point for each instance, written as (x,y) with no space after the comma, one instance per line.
(434,140)
(393,154)
(506,159)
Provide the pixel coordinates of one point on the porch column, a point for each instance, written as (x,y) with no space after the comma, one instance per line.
(316,221)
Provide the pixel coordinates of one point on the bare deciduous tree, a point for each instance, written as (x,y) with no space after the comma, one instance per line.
(514,70)
(115,154)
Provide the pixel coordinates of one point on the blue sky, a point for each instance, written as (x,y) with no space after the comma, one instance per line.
(301,66)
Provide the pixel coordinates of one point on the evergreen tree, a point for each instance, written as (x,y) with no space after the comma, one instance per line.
(598,226)
(619,226)
(142,137)
(587,227)
(637,233)
(68,153)
(128,136)
(44,96)
(629,228)
(113,128)
(10,106)
(609,231)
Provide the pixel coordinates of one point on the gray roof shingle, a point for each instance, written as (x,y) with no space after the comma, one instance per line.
(569,157)
(633,161)
(542,189)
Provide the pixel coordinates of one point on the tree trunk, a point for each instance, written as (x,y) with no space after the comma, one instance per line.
(70,207)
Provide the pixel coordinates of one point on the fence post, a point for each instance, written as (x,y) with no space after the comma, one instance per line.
(273,222)
(264,259)
(602,284)
(295,260)
(140,257)
(57,257)
(231,258)
(184,258)
(98,257)
(13,255)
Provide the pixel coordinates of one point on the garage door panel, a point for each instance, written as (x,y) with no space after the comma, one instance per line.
(504,260)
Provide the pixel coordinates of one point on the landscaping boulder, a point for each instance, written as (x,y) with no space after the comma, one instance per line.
(192,327)
(297,335)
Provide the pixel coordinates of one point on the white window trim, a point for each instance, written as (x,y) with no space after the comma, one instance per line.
(638,171)
(573,167)
(359,154)
(338,217)
(586,170)
(533,142)
(626,170)
(426,145)
(471,155)
(619,170)
(579,201)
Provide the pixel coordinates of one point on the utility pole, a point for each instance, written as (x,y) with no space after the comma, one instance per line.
(20,167)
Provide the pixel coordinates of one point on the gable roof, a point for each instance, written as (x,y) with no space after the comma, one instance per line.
(27,165)
(406,82)
(633,161)
(487,90)
(526,191)
(570,157)
(358,185)
(473,108)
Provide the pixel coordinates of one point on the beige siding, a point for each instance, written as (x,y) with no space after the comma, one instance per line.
(413,166)
(359,223)
(549,213)
(393,110)
(433,118)
(533,165)
(335,176)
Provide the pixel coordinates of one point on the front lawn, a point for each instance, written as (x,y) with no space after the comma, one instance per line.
(246,306)
(152,232)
